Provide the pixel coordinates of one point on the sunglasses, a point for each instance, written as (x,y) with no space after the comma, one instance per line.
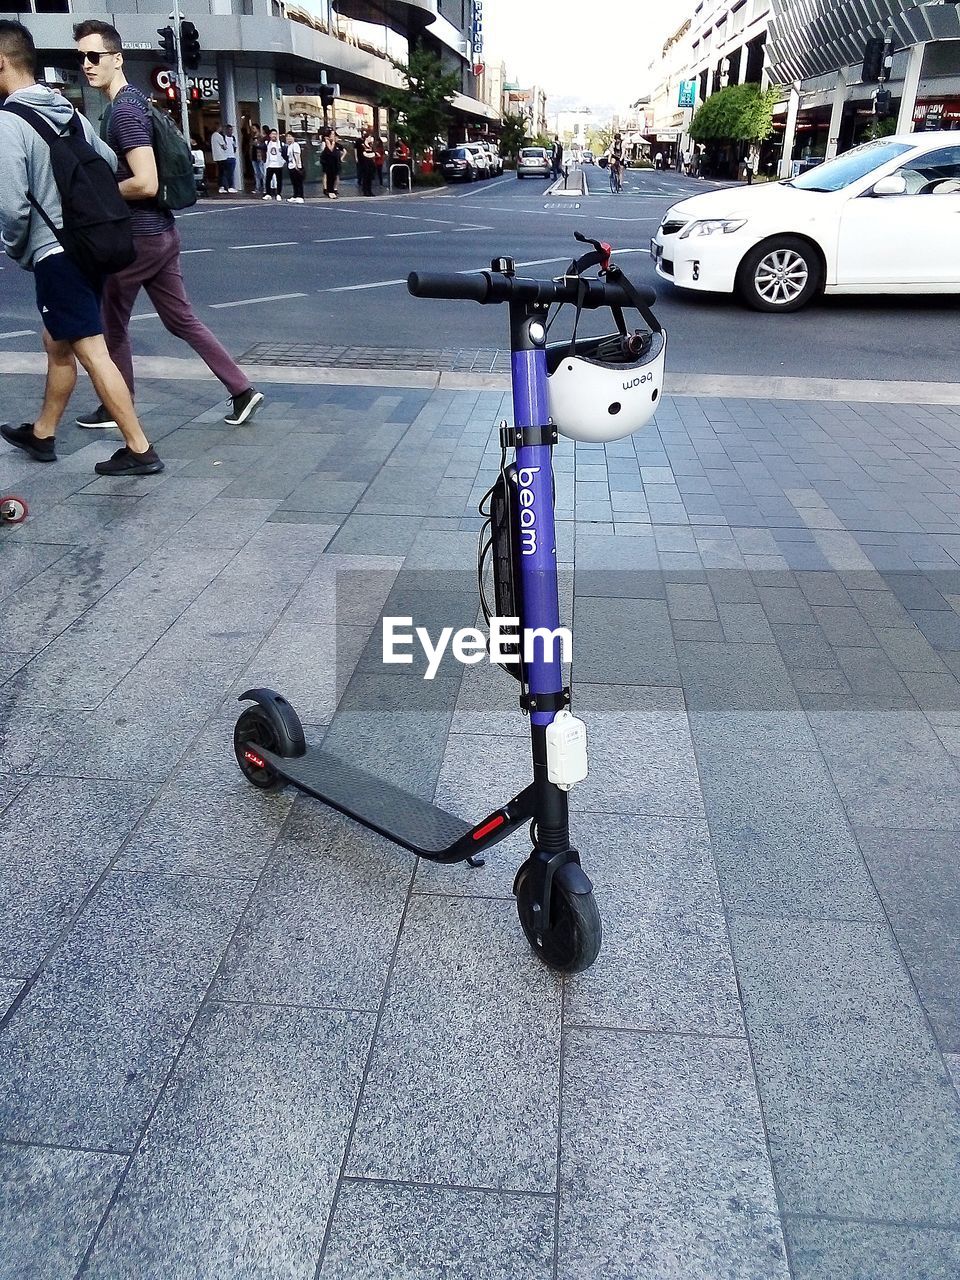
(93,56)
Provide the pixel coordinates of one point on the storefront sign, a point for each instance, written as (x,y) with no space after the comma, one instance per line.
(936,113)
(688,93)
(163,78)
(477,33)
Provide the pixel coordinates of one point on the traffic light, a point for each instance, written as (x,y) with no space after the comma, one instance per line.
(190,45)
(883,103)
(872,59)
(168,48)
(327,94)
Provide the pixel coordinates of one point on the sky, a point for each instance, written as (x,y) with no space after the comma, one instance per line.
(581,52)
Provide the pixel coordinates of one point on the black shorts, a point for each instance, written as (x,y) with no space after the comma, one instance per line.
(69,303)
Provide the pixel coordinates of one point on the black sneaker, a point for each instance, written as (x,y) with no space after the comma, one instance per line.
(23,438)
(127,463)
(245,406)
(100,419)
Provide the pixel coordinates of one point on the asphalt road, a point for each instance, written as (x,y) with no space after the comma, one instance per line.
(334,273)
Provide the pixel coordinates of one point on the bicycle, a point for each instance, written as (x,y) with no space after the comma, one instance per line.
(616,178)
(591,389)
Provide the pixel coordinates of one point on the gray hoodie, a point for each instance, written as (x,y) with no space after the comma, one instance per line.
(25,165)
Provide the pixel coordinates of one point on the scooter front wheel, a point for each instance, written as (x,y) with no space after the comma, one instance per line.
(571,941)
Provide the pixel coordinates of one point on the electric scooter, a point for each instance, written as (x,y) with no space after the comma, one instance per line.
(555,901)
(13,510)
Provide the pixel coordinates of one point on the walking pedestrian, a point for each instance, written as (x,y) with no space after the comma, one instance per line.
(223,146)
(379,156)
(295,165)
(658,160)
(368,166)
(156,266)
(331,162)
(556,157)
(275,162)
(258,159)
(68,298)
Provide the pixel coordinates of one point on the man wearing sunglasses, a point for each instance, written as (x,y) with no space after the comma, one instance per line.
(156,267)
(67,299)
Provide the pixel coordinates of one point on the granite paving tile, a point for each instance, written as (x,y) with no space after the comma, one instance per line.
(663,1168)
(10,988)
(826,1250)
(237,1171)
(419,1233)
(624,642)
(87,1051)
(56,839)
(50,1204)
(323,920)
(469,1007)
(861,1117)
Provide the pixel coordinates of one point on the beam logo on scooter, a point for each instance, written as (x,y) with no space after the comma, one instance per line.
(528,510)
(573,388)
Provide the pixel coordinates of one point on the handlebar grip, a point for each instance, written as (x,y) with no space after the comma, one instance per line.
(442,284)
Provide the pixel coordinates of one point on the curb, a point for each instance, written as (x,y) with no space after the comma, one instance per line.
(708,386)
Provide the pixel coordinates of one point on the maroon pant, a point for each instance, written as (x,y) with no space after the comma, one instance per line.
(156,269)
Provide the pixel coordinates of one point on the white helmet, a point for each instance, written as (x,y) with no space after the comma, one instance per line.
(599,389)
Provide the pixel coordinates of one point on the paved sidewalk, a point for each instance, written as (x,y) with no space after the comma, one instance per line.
(245,1038)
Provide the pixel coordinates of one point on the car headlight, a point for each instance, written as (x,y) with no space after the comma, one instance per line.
(711,226)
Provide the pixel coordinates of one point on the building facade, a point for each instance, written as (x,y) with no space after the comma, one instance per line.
(663,121)
(817,52)
(530,103)
(262,61)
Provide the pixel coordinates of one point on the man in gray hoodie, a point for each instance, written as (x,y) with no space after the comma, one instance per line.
(68,300)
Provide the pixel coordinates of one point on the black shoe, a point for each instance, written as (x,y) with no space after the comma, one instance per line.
(127,463)
(99,419)
(23,438)
(245,406)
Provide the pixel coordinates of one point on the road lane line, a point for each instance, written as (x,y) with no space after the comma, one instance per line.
(398,235)
(183,251)
(18,333)
(349,288)
(249,302)
(341,239)
(273,244)
(146,315)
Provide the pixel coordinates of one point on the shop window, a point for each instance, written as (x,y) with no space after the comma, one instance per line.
(51,6)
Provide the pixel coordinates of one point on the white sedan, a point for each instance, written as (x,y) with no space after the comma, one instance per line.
(882,218)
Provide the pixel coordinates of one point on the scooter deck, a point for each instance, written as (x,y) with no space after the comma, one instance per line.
(409,821)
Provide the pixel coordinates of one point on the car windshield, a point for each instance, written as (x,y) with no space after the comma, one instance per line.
(532,153)
(834,175)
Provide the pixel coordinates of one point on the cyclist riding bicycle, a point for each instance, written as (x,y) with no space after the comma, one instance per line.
(615,164)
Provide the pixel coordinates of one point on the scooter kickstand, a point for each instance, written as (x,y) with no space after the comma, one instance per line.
(476,861)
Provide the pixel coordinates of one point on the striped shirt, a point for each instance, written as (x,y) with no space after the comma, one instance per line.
(130,127)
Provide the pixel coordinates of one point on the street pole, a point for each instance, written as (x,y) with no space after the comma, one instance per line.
(181,78)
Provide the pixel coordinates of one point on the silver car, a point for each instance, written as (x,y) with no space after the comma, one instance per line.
(534,162)
(481,159)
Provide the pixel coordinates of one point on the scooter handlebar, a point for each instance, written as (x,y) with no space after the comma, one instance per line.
(490,287)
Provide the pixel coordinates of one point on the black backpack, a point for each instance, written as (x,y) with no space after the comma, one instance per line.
(96,232)
(176,184)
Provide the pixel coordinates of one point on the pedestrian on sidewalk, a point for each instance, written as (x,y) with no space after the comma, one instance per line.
(379,156)
(258,159)
(331,162)
(276,162)
(156,267)
(295,165)
(368,166)
(68,300)
(223,146)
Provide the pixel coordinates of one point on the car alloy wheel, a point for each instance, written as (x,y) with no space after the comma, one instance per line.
(781,275)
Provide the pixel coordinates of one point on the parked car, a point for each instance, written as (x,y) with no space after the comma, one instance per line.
(481,161)
(882,218)
(456,164)
(493,155)
(533,162)
(587,157)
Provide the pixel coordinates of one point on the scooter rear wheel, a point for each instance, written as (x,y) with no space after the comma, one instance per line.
(571,943)
(257,727)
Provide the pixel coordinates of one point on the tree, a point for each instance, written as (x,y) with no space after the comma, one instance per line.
(513,135)
(600,141)
(420,112)
(739,113)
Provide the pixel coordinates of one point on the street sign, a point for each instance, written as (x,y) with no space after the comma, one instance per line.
(688,93)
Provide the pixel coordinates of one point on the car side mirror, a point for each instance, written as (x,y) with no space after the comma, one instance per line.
(894,184)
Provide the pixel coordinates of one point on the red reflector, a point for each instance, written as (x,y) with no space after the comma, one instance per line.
(251,757)
(497,821)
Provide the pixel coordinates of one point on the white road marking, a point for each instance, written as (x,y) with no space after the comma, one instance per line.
(249,302)
(397,235)
(490,185)
(273,244)
(18,333)
(146,315)
(349,288)
(341,239)
(183,251)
